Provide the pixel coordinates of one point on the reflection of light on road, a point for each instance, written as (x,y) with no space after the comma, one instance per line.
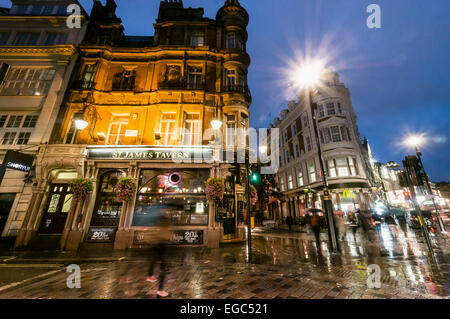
(387,239)
(305,248)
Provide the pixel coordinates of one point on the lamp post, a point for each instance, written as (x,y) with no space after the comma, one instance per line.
(309,77)
(327,203)
(415,141)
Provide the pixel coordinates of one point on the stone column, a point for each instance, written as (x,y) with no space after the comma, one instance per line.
(32,225)
(23,230)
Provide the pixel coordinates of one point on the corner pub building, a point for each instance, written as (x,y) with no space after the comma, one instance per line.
(136,106)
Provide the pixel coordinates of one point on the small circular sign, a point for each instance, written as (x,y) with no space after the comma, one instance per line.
(175,178)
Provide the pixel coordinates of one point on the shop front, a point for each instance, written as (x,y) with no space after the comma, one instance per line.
(169,182)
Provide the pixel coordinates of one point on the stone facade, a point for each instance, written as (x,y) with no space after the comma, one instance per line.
(146,100)
(37,55)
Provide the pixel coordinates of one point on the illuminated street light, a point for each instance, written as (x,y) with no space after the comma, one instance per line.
(415,140)
(216,124)
(80,121)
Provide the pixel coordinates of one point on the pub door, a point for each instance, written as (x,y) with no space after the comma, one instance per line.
(56,209)
(6,202)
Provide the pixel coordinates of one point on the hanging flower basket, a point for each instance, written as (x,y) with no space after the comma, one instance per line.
(125,189)
(253,195)
(215,189)
(81,187)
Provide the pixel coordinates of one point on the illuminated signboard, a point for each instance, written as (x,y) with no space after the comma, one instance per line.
(18,161)
(150,153)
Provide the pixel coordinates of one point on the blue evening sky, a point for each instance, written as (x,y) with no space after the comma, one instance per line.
(398,75)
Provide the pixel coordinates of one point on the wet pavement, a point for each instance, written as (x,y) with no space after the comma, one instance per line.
(285,265)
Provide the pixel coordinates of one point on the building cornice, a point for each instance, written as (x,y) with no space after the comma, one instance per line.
(38,51)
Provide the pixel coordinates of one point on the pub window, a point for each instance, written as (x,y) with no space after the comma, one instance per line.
(4,36)
(71,135)
(177,36)
(192,133)
(177,195)
(231,40)
(197,38)
(287,156)
(108,208)
(325,134)
(344,133)
(88,76)
(117,130)
(14,121)
(167,127)
(339,107)
(294,129)
(27,82)
(26,38)
(17,128)
(127,81)
(231,125)
(194,78)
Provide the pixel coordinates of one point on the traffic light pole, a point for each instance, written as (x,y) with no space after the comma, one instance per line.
(419,212)
(249,226)
(327,203)
(441,224)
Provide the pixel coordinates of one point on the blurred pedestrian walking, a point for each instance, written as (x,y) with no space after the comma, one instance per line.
(159,239)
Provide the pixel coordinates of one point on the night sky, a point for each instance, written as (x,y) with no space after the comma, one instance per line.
(398,75)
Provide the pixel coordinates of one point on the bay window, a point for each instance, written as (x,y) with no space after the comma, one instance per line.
(332,168)
(330,109)
(17,128)
(335,134)
(27,82)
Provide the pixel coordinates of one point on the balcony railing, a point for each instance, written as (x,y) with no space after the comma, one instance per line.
(181,86)
(238,89)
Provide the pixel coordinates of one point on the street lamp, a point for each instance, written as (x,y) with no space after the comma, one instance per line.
(80,121)
(415,141)
(309,77)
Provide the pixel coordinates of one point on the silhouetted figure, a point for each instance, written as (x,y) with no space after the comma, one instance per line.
(315,226)
(160,239)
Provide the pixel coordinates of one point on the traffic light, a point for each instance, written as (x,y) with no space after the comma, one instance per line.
(407,195)
(255,176)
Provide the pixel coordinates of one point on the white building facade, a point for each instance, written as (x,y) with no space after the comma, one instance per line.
(299,176)
(37,55)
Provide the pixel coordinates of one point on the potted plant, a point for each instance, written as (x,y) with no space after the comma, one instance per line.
(125,189)
(81,187)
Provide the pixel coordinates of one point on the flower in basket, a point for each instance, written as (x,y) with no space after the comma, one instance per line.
(253,195)
(125,189)
(215,189)
(81,187)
